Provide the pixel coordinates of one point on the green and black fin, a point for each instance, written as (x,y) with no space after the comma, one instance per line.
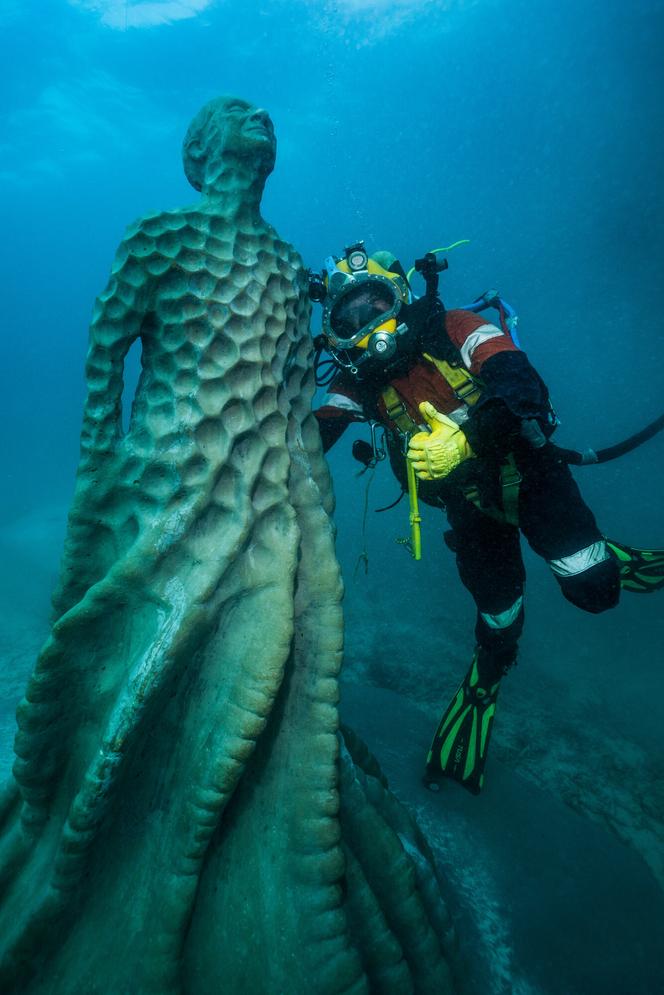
(641,570)
(459,748)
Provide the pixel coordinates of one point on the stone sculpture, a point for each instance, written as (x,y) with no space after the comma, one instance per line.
(185,816)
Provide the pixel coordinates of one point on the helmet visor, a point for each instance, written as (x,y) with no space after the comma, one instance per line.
(362,307)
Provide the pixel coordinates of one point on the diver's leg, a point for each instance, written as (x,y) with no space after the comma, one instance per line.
(490,566)
(560,527)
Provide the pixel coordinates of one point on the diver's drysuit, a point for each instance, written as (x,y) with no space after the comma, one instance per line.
(468,423)
(552,515)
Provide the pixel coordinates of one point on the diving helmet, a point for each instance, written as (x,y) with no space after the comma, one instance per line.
(361,300)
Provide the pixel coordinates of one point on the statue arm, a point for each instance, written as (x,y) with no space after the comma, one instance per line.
(119,318)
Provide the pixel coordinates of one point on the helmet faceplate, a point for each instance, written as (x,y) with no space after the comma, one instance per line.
(357,303)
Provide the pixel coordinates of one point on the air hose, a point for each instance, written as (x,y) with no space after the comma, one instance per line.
(589,457)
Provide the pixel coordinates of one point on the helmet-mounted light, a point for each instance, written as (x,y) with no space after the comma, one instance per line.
(356,257)
(317,288)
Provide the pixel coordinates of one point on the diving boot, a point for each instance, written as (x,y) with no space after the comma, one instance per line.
(641,570)
(459,748)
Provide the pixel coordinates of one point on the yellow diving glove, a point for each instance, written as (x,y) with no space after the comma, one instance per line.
(435,454)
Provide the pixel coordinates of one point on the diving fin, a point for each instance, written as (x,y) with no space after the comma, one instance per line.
(641,570)
(459,748)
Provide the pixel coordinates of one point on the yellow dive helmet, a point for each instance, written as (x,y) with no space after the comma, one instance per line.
(361,300)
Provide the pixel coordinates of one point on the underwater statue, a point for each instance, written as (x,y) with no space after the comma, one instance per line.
(185,816)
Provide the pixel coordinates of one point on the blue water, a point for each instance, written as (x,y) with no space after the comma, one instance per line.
(535,130)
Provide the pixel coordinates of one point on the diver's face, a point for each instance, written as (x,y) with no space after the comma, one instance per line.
(246,130)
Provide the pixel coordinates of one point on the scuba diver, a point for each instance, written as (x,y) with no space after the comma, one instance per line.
(466,414)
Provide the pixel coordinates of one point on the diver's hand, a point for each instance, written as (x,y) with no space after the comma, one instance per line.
(435,454)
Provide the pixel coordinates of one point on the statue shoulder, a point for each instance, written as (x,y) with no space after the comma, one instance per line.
(149,239)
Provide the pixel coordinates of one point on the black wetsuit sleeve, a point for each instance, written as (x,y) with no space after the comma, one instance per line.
(513,392)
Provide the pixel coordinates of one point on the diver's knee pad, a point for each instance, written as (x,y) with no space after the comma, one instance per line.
(595,589)
(498,637)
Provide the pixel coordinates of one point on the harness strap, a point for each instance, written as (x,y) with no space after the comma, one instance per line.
(510,483)
(397,412)
(466,387)
(510,480)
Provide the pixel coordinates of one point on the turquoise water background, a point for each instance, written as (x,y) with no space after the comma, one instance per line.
(536,131)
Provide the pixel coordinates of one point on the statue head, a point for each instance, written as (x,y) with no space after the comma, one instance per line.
(228,132)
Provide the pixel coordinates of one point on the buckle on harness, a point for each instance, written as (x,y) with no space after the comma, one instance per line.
(466,390)
(396,409)
(397,412)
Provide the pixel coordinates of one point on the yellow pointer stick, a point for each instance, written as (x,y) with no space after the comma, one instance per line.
(415,517)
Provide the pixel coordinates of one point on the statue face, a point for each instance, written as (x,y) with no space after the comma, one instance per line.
(228,132)
(245,130)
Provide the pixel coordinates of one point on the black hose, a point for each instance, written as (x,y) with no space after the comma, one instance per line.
(634,440)
(393,505)
(589,457)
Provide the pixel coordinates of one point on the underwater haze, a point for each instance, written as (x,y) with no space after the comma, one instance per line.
(534,130)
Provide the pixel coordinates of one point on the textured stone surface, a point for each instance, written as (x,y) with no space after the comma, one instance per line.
(180,818)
